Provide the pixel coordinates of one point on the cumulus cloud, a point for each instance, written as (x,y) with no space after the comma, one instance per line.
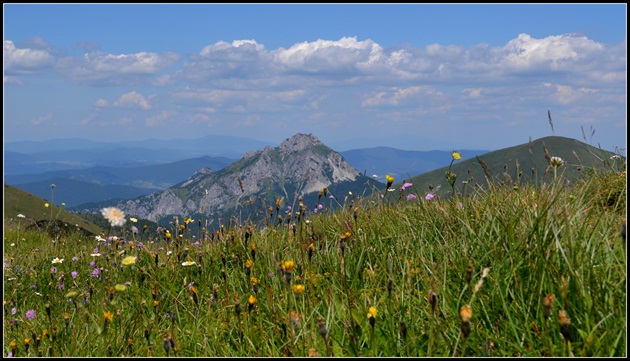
(25,60)
(132,100)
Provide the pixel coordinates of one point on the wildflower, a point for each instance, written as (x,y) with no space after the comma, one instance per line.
(374,176)
(96,272)
(115,216)
(128,261)
(134,229)
(321,328)
(74,259)
(556,162)
(390,180)
(53,270)
(46,205)
(411,197)
(406,185)
(547,304)
(371,315)
(565,325)
(456,155)
(287,266)
(188,263)
(429,196)
(298,289)
(96,254)
(251,301)
(132,219)
(21,215)
(30,314)
(468,275)
(465,314)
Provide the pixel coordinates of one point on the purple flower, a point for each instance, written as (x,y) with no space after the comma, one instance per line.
(190,285)
(197,244)
(320,206)
(134,229)
(53,270)
(74,274)
(411,196)
(96,272)
(128,283)
(13,311)
(331,197)
(60,286)
(95,250)
(30,314)
(75,259)
(271,275)
(406,185)
(429,196)
(92,264)
(139,245)
(32,287)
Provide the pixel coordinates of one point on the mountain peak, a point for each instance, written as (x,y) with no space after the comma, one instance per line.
(298,142)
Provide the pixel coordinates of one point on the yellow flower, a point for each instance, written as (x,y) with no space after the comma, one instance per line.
(249,263)
(120,288)
(46,205)
(108,316)
(456,156)
(298,289)
(168,234)
(251,300)
(390,179)
(372,312)
(134,220)
(254,281)
(287,266)
(128,261)
(465,313)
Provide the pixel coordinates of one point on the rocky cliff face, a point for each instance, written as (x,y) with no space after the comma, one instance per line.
(300,165)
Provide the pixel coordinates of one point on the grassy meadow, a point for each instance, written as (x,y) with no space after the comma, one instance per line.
(503,271)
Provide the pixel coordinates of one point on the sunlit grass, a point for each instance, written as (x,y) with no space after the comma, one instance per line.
(504,271)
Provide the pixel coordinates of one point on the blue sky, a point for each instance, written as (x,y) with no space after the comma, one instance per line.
(410,76)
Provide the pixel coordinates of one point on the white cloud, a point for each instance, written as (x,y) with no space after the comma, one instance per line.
(46,118)
(25,60)
(132,100)
(159,119)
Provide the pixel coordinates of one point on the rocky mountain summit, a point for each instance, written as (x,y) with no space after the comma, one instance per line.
(299,166)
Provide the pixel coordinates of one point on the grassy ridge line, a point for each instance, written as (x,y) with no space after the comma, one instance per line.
(17,201)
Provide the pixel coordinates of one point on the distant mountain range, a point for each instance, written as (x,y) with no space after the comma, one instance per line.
(87,172)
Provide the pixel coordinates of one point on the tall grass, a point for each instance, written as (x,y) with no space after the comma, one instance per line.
(446,277)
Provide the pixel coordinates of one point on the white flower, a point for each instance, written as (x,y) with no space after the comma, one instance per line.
(21,215)
(556,162)
(134,220)
(115,216)
(485,272)
(95,255)
(57,260)
(188,263)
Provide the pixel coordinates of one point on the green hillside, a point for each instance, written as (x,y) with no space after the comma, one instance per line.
(17,201)
(518,165)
